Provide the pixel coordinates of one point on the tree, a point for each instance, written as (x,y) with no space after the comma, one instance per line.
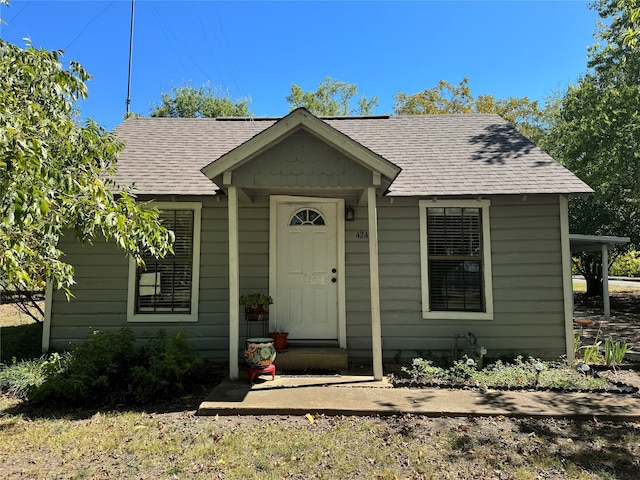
(203,102)
(633,29)
(523,114)
(55,175)
(332,99)
(595,132)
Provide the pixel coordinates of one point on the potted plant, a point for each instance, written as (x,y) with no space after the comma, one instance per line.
(279,339)
(256,306)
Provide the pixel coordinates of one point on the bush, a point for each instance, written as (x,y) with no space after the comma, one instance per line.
(166,366)
(518,373)
(22,342)
(21,377)
(107,369)
(627,265)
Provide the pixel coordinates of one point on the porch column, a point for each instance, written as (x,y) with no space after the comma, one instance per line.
(605,280)
(234,282)
(376,331)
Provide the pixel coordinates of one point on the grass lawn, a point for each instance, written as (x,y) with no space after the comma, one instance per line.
(181,445)
(80,444)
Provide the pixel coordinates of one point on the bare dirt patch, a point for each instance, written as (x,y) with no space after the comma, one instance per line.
(624,324)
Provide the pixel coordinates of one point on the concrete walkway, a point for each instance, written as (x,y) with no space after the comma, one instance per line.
(361,395)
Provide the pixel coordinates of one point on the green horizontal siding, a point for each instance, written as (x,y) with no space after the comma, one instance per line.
(527,282)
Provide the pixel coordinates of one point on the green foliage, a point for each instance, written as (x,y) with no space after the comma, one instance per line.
(595,132)
(577,343)
(522,113)
(19,378)
(633,30)
(107,368)
(253,300)
(22,342)
(332,98)
(519,373)
(97,370)
(591,353)
(626,265)
(55,174)
(167,364)
(614,352)
(424,370)
(203,102)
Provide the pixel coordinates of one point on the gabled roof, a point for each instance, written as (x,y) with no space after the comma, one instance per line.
(440,155)
(300,119)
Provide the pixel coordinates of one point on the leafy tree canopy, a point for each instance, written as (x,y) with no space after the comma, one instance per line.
(332,98)
(54,174)
(203,102)
(523,114)
(595,132)
(633,28)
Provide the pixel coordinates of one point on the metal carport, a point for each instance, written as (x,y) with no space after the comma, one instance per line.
(602,243)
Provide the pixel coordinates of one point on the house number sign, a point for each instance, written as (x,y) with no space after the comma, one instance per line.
(362,234)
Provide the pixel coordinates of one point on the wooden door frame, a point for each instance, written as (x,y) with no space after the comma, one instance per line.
(276,200)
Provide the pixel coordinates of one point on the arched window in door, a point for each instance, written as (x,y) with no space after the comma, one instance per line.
(307,216)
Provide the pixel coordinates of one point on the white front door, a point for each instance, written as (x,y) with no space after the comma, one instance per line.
(307,277)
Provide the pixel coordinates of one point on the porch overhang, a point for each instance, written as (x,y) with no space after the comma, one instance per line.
(221,170)
(236,175)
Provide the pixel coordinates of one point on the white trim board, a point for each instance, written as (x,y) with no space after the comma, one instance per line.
(486,253)
(195,273)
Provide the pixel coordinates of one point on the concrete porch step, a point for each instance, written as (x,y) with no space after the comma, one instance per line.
(312,358)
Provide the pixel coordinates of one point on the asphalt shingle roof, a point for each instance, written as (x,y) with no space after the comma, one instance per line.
(439,154)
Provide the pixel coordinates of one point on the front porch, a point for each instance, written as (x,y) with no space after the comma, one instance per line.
(312,358)
(309,174)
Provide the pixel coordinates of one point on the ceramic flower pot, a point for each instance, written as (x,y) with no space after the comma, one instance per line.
(259,352)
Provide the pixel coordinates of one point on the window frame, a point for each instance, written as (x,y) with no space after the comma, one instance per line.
(169,317)
(484,206)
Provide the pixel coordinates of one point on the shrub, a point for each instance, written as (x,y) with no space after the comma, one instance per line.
(97,371)
(519,373)
(422,369)
(166,365)
(108,369)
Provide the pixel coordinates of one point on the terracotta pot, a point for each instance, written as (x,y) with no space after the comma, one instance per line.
(259,352)
(279,340)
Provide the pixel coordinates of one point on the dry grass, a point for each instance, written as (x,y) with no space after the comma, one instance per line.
(62,444)
(580,286)
(141,445)
(10,315)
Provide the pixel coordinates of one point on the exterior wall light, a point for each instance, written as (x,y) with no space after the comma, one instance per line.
(349,214)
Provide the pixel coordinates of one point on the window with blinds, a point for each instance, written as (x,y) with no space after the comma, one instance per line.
(455,259)
(164,286)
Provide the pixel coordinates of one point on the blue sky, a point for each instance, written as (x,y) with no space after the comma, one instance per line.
(258,49)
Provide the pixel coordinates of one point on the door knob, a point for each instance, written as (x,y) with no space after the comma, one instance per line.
(334,280)
(333,270)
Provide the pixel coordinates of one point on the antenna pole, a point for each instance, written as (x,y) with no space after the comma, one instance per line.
(128,100)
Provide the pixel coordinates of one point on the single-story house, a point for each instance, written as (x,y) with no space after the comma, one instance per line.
(382,235)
